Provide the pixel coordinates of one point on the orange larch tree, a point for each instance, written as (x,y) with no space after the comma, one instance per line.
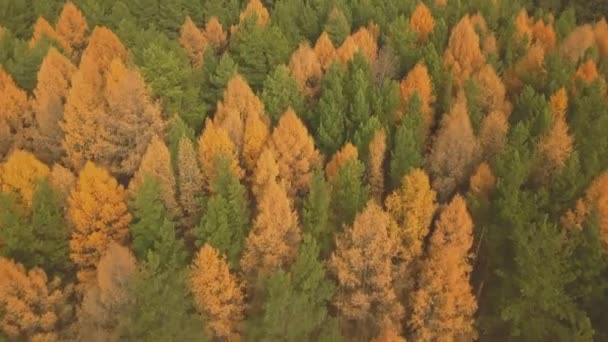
(347,50)
(375,164)
(215,143)
(190,183)
(493,134)
(574,46)
(215,34)
(42,29)
(266,171)
(367,43)
(156,162)
(339,159)
(255,136)
(483,181)
(306,69)
(62,179)
(455,151)
(275,237)
(33,308)
(255,7)
(422,22)
(463,55)
(295,151)
(72,28)
(492,91)
(217,293)
(587,72)
(366,299)
(419,82)
(15,115)
(601,37)
(20,173)
(97,211)
(50,96)
(325,51)
(444,305)
(193,41)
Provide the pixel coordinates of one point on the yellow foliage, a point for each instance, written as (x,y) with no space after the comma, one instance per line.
(215,34)
(412,207)
(419,82)
(366,41)
(217,294)
(193,41)
(422,22)
(587,72)
(15,115)
(32,306)
(325,50)
(213,144)
(492,92)
(266,172)
(62,179)
(19,174)
(98,213)
(347,50)
(559,103)
(377,154)
(493,134)
(190,182)
(305,68)
(72,27)
(295,151)
(255,136)
(463,55)
(348,152)
(42,28)
(256,7)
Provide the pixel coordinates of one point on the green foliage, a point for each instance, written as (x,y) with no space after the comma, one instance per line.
(178,130)
(298,20)
(349,193)
(531,109)
(471,90)
(18,16)
(316,212)
(331,112)
(403,42)
(295,306)
(364,135)
(337,26)
(24,62)
(358,91)
(227,215)
(280,92)
(226,11)
(36,236)
(216,74)
(408,144)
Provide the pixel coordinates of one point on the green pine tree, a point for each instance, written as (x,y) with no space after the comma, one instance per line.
(408,144)
(316,212)
(331,112)
(349,193)
(281,92)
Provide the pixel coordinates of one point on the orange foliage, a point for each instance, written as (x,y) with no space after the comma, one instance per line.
(412,207)
(190,182)
(42,28)
(559,103)
(32,306)
(347,50)
(554,149)
(217,293)
(19,174)
(601,37)
(574,46)
(306,69)
(62,179)
(419,82)
(50,96)
(493,134)
(72,27)
(530,64)
(156,162)
(256,7)
(377,154)
(523,25)
(362,265)
(266,172)
(295,151)
(215,34)
(348,152)
(534,32)
(587,72)
(193,41)
(444,305)
(325,51)
(98,213)
(422,22)
(215,143)
(492,92)
(367,42)
(256,134)
(463,55)
(275,237)
(15,115)
(483,180)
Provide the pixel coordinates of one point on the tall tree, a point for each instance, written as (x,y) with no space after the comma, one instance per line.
(316,212)
(325,50)
(15,115)
(98,213)
(408,146)
(19,174)
(215,34)
(281,91)
(306,69)
(337,26)
(72,28)
(339,159)
(33,307)
(213,144)
(217,293)
(295,151)
(349,192)
(189,183)
(365,297)
(418,81)
(375,164)
(444,305)
(331,111)
(193,41)
(422,22)
(463,55)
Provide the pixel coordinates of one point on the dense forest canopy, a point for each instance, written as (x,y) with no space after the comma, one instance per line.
(288,170)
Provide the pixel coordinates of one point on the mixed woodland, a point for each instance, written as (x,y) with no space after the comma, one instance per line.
(289,170)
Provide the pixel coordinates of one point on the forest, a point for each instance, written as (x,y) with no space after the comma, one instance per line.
(303,170)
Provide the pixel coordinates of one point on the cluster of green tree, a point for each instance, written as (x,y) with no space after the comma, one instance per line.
(303,170)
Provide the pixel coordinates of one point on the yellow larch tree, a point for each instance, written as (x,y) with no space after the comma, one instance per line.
(455,151)
(347,50)
(50,96)
(419,82)
(97,211)
(463,55)
(305,68)
(19,174)
(523,26)
(42,29)
(266,171)
(190,182)
(365,299)
(156,162)
(492,91)
(217,293)
(15,115)
(239,103)
(422,22)
(215,143)
(62,179)
(72,27)
(412,207)
(339,159)
(295,151)
(215,34)
(193,41)
(493,134)
(377,155)
(275,237)
(255,7)
(325,51)
(483,181)
(108,296)
(444,305)
(367,43)
(255,137)
(32,305)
